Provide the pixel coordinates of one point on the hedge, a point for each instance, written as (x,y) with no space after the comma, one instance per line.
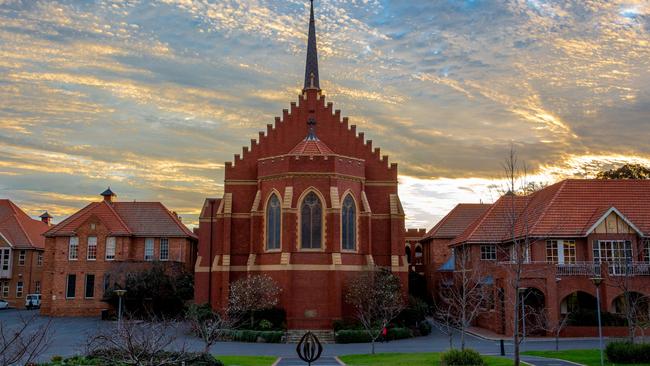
(253,336)
(626,352)
(361,336)
(195,359)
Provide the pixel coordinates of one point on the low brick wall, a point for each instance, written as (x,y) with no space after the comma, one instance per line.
(576,331)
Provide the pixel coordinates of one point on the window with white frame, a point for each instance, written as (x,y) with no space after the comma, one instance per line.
(561,251)
(37,287)
(21,257)
(6,258)
(148,249)
(110,248)
(73,248)
(646,250)
(488,252)
(164,249)
(612,250)
(5,289)
(92,248)
(39,259)
(19,289)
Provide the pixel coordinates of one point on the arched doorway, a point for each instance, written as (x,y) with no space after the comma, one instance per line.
(408,254)
(632,304)
(578,302)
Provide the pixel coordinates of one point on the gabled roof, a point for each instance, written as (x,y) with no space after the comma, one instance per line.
(457,220)
(126,219)
(20,230)
(571,208)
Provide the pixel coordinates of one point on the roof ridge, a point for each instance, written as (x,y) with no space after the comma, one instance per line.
(128,229)
(439,224)
(56,228)
(177,221)
(479,221)
(550,203)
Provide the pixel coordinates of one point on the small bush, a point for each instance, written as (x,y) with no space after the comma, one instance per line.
(193,359)
(425,328)
(265,324)
(589,318)
(626,352)
(346,324)
(352,336)
(456,357)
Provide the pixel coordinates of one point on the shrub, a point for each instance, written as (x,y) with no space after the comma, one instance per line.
(361,336)
(352,336)
(425,328)
(415,312)
(399,333)
(626,352)
(589,318)
(347,324)
(467,357)
(254,336)
(265,324)
(194,359)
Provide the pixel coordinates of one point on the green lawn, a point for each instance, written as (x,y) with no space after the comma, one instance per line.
(247,360)
(409,359)
(589,357)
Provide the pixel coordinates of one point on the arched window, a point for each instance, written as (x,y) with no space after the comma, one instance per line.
(273,223)
(408,254)
(311,221)
(349,224)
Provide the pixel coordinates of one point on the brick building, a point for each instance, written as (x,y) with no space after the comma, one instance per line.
(310,203)
(437,259)
(569,233)
(104,239)
(413,250)
(21,253)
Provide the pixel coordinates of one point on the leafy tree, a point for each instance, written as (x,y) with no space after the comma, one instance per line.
(253,293)
(627,171)
(376,297)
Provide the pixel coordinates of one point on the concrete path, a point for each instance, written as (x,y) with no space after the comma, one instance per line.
(542,361)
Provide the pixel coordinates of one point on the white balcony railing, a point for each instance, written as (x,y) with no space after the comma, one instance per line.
(628,268)
(590,269)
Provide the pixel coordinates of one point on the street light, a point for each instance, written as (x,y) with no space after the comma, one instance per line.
(120,295)
(597,281)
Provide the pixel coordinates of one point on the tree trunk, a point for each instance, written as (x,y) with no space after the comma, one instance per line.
(372,347)
(252,320)
(557,342)
(515,333)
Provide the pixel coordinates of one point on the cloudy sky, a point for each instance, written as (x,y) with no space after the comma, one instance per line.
(152,97)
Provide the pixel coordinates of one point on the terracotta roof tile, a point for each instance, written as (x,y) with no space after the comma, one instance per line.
(18,228)
(568,208)
(457,220)
(311,147)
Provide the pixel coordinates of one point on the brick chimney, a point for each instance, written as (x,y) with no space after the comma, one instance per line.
(108,195)
(46,218)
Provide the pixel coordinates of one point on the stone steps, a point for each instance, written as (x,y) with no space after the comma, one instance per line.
(324,336)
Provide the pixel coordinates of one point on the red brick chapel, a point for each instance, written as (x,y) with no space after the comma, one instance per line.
(310,203)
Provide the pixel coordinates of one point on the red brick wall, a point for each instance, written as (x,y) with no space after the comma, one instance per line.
(29,274)
(57,266)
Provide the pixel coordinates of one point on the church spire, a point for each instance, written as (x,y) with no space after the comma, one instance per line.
(311,68)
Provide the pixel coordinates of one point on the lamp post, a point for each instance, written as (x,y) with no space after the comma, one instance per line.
(120,295)
(597,281)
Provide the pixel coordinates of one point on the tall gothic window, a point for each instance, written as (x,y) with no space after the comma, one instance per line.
(348,224)
(273,223)
(311,221)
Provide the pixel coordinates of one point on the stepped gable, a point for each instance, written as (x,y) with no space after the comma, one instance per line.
(287,132)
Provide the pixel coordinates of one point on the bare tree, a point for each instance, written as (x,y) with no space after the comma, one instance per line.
(542,321)
(468,295)
(633,304)
(377,299)
(24,342)
(209,325)
(519,237)
(141,343)
(253,293)
(445,319)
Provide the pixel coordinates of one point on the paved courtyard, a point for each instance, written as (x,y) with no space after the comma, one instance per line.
(70,335)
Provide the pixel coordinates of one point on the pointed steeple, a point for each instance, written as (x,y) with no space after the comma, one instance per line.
(311,68)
